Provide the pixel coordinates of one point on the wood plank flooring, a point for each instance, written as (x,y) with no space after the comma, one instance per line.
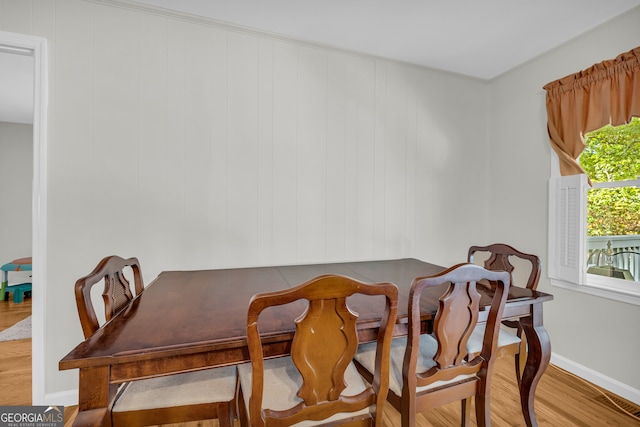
(561,399)
(15,357)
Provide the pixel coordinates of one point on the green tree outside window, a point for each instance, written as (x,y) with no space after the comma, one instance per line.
(613,154)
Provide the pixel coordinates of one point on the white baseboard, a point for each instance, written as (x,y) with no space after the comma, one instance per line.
(62,398)
(594,377)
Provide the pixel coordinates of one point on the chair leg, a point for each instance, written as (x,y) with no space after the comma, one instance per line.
(225,414)
(408,412)
(241,409)
(482,400)
(483,417)
(521,356)
(465,415)
(517,358)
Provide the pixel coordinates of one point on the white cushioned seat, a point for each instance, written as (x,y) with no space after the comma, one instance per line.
(282,380)
(428,347)
(505,338)
(205,386)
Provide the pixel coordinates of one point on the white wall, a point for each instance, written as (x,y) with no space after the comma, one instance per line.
(195,146)
(593,333)
(16,175)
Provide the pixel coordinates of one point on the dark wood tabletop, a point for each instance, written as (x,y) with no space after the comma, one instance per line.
(186,320)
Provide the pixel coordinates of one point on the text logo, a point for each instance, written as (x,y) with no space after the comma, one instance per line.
(31,416)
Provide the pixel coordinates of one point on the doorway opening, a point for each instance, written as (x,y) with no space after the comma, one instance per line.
(36,48)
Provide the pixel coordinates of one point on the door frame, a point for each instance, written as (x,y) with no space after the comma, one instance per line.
(37,48)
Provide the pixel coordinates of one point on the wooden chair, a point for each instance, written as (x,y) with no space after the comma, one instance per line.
(430,370)
(500,259)
(318,383)
(173,398)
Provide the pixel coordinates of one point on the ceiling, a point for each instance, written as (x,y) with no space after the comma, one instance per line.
(480,39)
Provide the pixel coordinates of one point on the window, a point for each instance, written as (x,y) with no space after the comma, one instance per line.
(578,104)
(611,159)
(597,230)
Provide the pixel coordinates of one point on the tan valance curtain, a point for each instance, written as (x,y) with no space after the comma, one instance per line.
(606,93)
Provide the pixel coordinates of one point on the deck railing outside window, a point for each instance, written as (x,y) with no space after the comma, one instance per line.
(614,256)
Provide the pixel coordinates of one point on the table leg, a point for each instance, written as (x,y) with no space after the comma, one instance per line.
(538,355)
(94,396)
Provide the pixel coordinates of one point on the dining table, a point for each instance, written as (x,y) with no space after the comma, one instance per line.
(196,319)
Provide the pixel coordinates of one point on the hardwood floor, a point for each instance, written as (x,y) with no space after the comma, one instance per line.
(15,357)
(561,399)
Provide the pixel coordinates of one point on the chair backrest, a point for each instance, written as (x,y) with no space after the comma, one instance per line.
(116,294)
(499,260)
(324,345)
(458,313)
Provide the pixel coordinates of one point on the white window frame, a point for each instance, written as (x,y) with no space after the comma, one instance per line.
(567,242)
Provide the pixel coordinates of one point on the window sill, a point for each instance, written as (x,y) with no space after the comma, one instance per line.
(602,288)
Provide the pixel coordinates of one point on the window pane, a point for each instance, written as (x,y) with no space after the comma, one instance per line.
(612,153)
(613,220)
(613,211)
(613,238)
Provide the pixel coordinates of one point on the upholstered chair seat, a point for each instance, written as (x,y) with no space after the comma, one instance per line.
(428,347)
(191,388)
(282,381)
(506,339)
